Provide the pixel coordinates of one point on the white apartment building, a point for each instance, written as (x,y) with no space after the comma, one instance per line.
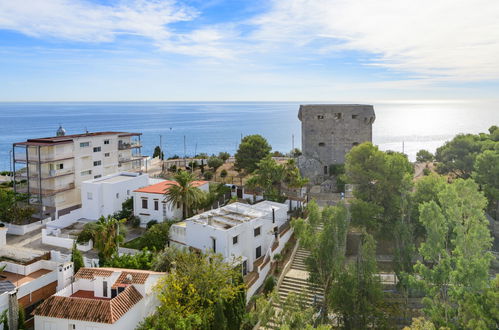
(237,231)
(104,196)
(100,298)
(52,169)
(149,202)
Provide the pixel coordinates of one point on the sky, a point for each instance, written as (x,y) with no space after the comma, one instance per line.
(248,50)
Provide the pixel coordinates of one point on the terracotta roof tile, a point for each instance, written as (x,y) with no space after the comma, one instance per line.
(87,309)
(136,278)
(90,273)
(162,187)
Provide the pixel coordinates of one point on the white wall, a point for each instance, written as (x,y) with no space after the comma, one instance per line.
(20,230)
(101,198)
(66,220)
(165,211)
(53,237)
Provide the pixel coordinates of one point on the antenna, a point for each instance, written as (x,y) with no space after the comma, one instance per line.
(292,142)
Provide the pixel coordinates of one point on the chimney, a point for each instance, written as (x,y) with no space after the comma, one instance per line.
(13,310)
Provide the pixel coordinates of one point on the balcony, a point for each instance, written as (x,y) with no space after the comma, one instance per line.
(46,191)
(122,160)
(131,145)
(46,158)
(50,174)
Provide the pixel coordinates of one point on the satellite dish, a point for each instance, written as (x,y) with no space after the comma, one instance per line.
(129,277)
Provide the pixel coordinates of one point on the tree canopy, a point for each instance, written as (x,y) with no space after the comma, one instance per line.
(199,292)
(455,258)
(252,149)
(184,193)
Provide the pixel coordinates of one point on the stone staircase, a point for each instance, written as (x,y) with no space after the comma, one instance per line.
(296,281)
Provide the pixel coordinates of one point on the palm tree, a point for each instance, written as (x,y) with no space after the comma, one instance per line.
(106,234)
(184,192)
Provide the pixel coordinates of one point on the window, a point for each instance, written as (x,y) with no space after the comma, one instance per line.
(156,205)
(97,149)
(322,144)
(117,195)
(128,192)
(89,196)
(71,326)
(106,141)
(325,170)
(59,166)
(337,115)
(86,172)
(234,240)
(97,176)
(355,116)
(144,203)
(164,209)
(104,288)
(97,163)
(214,244)
(107,154)
(257,231)
(355,144)
(84,144)
(258,252)
(320,117)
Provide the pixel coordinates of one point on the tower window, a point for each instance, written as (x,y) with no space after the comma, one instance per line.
(355,144)
(325,170)
(355,116)
(320,117)
(322,144)
(337,115)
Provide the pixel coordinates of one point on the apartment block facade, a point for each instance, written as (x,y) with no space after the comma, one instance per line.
(51,170)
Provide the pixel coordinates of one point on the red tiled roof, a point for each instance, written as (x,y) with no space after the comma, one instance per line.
(136,278)
(90,310)
(162,187)
(90,273)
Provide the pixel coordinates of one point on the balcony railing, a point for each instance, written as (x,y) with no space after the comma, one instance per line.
(45,191)
(21,157)
(125,146)
(122,160)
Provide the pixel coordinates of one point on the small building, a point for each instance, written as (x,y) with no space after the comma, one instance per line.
(241,233)
(100,298)
(29,278)
(105,196)
(149,202)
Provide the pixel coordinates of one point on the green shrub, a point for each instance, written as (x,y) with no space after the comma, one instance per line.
(208,175)
(269,285)
(426,171)
(151,223)
(223,173)
(134,221)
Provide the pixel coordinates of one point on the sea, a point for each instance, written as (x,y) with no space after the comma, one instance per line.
(211,127)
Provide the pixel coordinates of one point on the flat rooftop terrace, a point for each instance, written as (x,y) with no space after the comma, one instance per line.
(18,279)
(228,216)
(115,179)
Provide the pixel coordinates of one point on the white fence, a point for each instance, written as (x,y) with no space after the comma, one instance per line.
(67,220)
(28,269)
(264,271)
(62,258)
(20,230)
(54,237)
(28,288)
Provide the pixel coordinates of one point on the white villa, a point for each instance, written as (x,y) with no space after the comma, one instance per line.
(100,298)
(105,196)
(249,234)
(149,202)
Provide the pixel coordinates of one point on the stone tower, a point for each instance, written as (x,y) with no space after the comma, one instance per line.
(328,132)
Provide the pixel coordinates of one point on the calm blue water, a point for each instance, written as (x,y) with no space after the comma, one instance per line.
(213,127)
